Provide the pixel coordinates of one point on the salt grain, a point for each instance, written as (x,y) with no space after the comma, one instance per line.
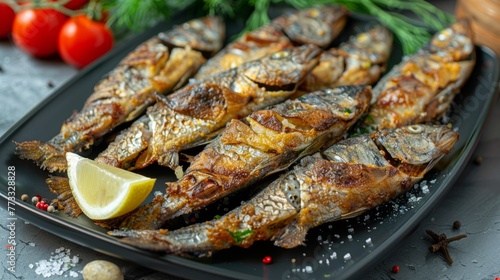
(347,257)
(309,269)
(59,262)
(425,189)
(368,241)
(333,256)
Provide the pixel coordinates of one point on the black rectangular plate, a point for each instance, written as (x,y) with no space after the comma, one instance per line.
(325,254)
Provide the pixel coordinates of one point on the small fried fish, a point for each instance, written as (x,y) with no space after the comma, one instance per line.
(422,86)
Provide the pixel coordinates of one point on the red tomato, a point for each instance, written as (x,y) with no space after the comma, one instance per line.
(83,40)
(35,31)
(7,15)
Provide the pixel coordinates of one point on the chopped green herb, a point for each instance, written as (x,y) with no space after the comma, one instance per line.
(347,110)
(369,119)
(364,130)
(217,217)
(238,236)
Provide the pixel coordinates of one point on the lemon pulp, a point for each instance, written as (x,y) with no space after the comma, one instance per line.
(103,191)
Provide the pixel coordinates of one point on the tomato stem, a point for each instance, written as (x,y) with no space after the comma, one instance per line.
(55,5)
(94,10)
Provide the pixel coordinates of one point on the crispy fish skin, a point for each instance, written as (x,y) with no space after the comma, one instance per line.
(423,85)
(251,45)
(194,114)
(317,26)
(324,187)
(160,64)
(359,61)
(265,142)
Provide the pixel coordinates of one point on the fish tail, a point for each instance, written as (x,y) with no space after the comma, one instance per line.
(46,155)
(60,187)
(190,240)
(145,239)
(152,240)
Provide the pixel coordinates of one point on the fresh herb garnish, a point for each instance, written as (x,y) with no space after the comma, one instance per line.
(347,110)
(239,235)
(369,119)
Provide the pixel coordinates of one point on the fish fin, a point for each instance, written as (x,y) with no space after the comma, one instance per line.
(60,187)
(187,158)
(170,158)
(146,158)
(432,163)
(139,110)
(45,155)
(291,236)
(353,214)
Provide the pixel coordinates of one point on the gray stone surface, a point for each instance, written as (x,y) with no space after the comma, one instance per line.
(474,200)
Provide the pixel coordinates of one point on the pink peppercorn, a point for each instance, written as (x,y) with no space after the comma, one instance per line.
(267,260)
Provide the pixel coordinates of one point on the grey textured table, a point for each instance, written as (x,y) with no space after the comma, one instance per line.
(474,199)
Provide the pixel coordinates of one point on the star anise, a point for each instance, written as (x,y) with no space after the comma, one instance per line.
(442,243)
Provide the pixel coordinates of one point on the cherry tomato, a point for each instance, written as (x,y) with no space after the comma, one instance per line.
(7,15)
(83,40)
(35,31)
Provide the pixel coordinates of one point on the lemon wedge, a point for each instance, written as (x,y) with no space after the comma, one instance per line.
(103,191)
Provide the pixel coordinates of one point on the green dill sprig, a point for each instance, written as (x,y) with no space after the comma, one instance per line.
(137,15)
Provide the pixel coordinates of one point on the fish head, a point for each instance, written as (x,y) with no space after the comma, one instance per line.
(316,25)
(374,45)
(453,43)
(202,34)
(283,70)
(417,144)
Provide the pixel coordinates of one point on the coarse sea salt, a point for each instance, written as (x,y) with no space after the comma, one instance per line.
(59,263)
(347,257)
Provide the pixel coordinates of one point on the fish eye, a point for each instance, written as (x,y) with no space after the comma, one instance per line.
(415,128)
(280,55)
